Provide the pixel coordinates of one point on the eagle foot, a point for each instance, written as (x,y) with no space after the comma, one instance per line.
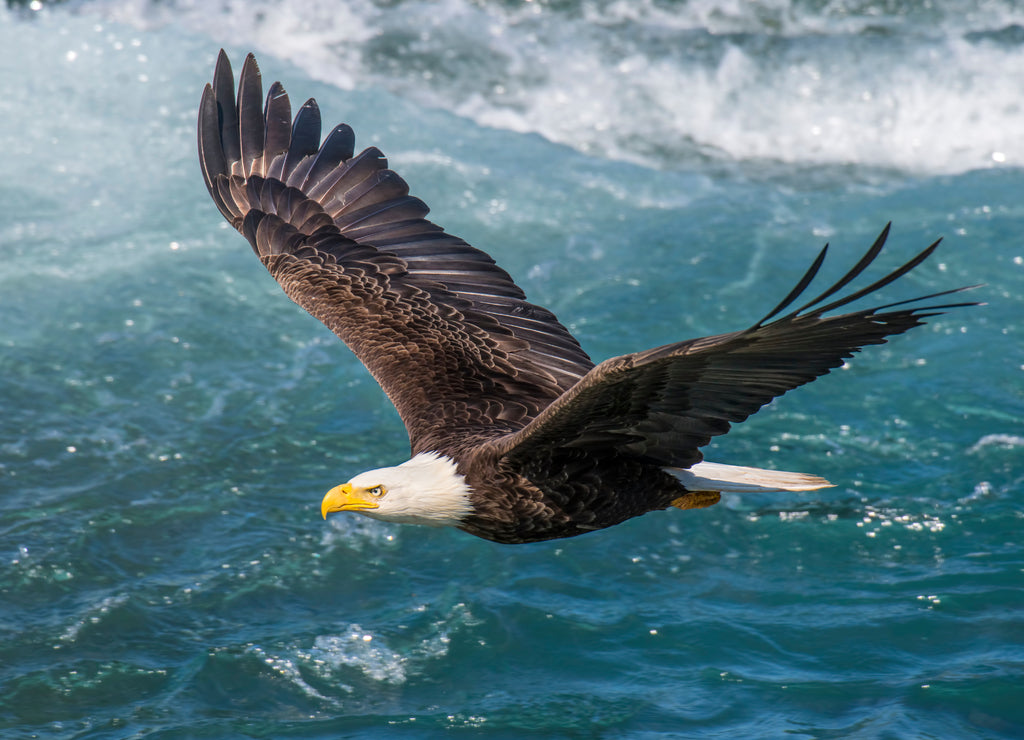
(697,500)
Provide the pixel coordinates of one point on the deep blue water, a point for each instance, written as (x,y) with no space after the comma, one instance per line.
(651,171)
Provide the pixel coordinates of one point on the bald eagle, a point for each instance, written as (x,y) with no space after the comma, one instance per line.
(516,435)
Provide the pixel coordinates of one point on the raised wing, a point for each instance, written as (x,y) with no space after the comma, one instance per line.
(443,329)
(666,403)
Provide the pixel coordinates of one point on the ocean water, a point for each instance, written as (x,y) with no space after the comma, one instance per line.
(650,171)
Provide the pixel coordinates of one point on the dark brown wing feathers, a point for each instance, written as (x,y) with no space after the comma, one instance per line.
(665,403)
(445,331)
(450,336)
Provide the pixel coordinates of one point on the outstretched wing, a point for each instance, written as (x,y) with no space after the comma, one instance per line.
(443,329)
(666,403)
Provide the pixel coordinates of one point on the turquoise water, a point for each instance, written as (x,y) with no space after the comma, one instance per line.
(651,172)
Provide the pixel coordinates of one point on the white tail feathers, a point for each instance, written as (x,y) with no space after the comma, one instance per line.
(709,476)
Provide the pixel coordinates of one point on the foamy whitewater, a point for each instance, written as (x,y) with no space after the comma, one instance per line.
(927,88)
(651,171)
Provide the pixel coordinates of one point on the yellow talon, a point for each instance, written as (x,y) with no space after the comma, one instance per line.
(697,500)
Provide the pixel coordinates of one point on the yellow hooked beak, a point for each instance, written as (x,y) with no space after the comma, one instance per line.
(345,498)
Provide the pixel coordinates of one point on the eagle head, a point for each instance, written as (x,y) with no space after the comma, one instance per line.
(428,489)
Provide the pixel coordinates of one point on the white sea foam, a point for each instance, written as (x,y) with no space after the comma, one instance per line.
(997,440)
(373,654)
(357,648)
(93,614)
(378,657)
(912,88)
(289,669)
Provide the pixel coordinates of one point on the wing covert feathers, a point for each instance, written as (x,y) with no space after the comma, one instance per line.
(446,332)
(665,403)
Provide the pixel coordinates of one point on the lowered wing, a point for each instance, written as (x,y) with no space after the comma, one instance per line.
(665,403)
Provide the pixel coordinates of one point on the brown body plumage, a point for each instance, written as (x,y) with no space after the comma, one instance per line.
(548,444)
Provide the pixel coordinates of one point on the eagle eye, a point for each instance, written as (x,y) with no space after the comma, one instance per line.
(376,491)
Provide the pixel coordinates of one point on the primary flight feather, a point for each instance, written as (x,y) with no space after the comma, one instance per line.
(516,435)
